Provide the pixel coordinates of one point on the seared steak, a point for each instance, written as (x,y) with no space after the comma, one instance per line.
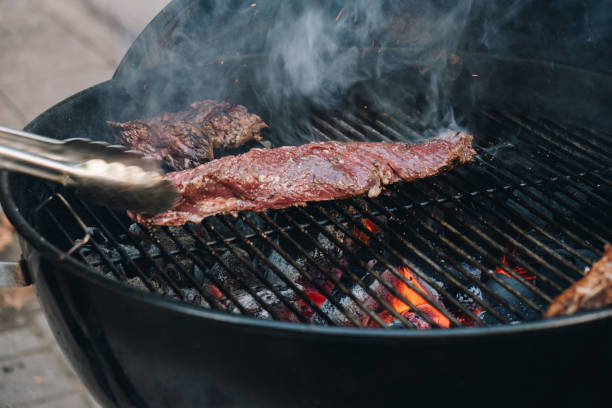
(594,291)
(186,139)
(292,175)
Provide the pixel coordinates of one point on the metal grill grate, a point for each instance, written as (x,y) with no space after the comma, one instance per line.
(486,244)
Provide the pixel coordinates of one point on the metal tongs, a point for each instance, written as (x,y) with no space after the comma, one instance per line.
(108,175)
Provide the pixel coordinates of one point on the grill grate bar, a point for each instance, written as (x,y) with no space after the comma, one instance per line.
(321,126)
(117,272)
(244,285)
(395,272)
(298,267)
(500,170)
(491,168)
(504,209)
(256,272)
(525,266)
(278,272)
(574,165)
(359,281)
(499,165)
(342,267)
(421,255)
(413,268)
(125,256)
(484,253)
(518,260)
(526,165)
(594,138)
(208,298)
(197,261)
(428,243)
(569,146)
(522,186)
(530,165)
(569,136)
(355,125)
(338,284)
(443,255)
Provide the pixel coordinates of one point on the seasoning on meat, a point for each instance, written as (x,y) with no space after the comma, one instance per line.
(277,178)
(186,139)
(594,291)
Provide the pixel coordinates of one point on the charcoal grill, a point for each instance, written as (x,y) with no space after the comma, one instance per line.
(148,320)
(527,223)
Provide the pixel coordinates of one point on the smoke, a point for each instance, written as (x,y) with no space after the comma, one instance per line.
(319,51)
(283,59)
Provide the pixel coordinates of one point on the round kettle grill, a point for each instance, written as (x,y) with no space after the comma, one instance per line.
(146,321)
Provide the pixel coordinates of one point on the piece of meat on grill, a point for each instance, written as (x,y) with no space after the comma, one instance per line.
(293,175)
(186,139)
(593,291)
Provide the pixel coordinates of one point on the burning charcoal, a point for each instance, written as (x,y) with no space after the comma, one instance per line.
(468,299)
(339,318)
(579,263)
(198,274)
(137,232)
(511,299)
(254,308)
(418,322)
(328,245)
(98,235)
(137,283)
(178,233)
(489,320)
(236,268)
(244,228)
(131,251)
(281,264)
(194,297)
(466,267)
(111,276)
(173,273)
(433,311)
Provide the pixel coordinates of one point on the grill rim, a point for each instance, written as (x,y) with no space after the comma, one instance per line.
(68,264)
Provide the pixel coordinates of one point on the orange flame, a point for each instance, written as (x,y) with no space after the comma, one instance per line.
(373,228)
(517,269)
(416,299)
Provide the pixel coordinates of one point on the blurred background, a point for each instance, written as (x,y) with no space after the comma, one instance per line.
(50,49)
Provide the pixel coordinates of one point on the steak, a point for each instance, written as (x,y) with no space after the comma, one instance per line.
(183,140)
(594,291)
(293,175)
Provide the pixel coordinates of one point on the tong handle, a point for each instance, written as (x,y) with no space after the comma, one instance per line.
(75,150)
(110,175)
(33,164)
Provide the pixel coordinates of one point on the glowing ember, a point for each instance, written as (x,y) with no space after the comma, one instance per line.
(373,228)
(316,297)
(468,321)
(416,299)
(519,270)
(215,291)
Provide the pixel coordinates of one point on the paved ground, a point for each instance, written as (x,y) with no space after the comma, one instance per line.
(50,49)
